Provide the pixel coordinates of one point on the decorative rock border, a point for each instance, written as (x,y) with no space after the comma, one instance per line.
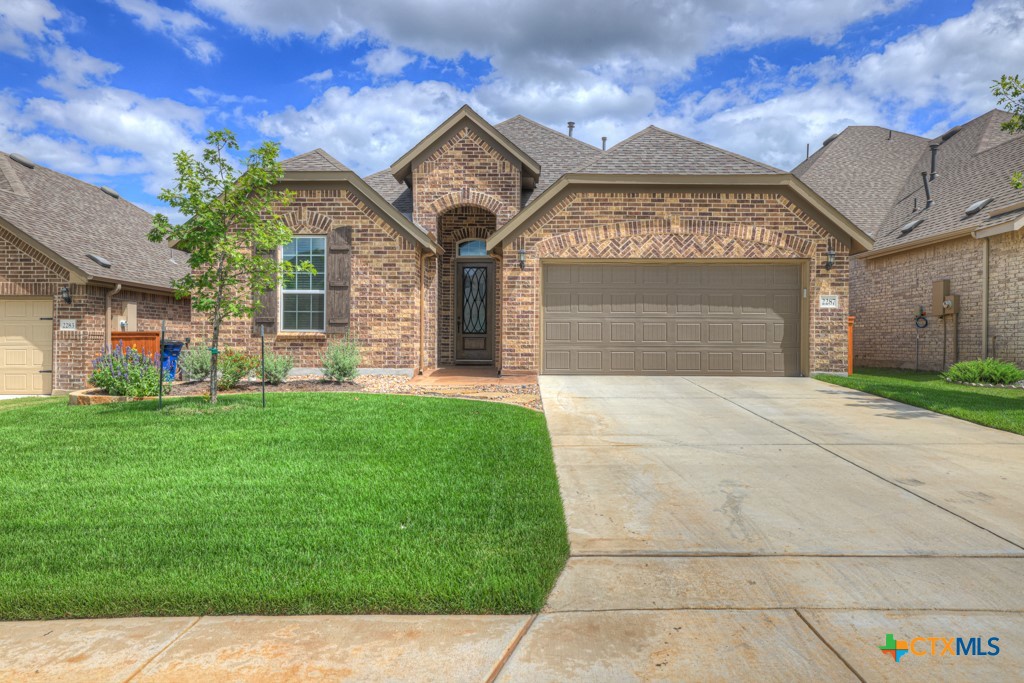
(1018,385)
(95,397)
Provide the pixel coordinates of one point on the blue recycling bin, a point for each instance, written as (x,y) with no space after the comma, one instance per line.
(171,351)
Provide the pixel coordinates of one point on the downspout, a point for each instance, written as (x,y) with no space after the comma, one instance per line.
(984,297)
(110,295)
(423,306)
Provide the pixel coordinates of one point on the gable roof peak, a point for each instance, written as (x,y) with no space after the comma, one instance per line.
(313,160)
(402,169)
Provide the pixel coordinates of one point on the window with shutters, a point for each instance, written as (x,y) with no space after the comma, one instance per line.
(303,295)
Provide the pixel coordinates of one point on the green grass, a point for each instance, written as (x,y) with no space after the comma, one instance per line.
(323,503)
(999,408)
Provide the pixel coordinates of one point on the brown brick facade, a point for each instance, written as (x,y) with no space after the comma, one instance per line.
(673,225)
(455,187)
(385,306)
(24,271)
(887,292)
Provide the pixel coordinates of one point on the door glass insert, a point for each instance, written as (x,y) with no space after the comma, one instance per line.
(474,300)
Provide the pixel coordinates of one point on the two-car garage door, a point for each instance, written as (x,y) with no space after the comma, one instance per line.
(709,318)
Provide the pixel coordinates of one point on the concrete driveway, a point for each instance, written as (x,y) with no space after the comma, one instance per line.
(775,529)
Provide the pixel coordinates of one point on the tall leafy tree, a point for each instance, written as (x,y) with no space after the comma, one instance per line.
(1010,92)
(230,230)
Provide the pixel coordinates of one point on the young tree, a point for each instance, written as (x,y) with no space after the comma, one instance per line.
(1010,92)
(230,231)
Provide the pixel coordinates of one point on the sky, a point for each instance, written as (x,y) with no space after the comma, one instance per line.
(109,90)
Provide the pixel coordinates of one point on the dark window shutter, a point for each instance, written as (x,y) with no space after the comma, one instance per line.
(266,315)
(339,279)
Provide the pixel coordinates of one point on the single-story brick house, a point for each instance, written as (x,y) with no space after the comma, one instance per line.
(510,245)
(519,247)
(938,210)
(74,263)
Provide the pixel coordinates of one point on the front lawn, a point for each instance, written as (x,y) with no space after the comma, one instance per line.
(323,503)
(999,408)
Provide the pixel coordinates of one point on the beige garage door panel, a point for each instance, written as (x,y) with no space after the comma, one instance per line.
(26,346)
(731,319)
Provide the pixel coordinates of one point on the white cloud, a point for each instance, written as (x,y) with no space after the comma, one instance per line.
(939,75)
(86,126)
(75,68)
(368,128)
(650,40)
(387,61)
(207,96)
(181,27)
(318,76)
(21,20)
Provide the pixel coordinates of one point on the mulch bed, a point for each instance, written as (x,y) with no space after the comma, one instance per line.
(525,395)
(203,388)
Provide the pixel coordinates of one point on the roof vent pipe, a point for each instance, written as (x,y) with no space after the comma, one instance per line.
(604,142)
(935,152)
(572,124)
(927,190)
(23,161)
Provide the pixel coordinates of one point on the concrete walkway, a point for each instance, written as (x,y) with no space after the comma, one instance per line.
(721,529)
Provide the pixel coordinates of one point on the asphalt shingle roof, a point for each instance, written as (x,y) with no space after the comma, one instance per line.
(974,164)
(556,152)
(657,151)
(861,171)
(73,219)
(314,160)
(876,182)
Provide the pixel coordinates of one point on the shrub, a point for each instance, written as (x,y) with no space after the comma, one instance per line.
(234,365)
(127,372)
(987,371)
(278,366)
(340,360)
(195,363)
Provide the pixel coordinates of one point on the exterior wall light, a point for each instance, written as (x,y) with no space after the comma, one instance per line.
(522,259)
(830,258)
(65,295)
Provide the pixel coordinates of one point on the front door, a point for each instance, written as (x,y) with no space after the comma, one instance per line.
(474,312)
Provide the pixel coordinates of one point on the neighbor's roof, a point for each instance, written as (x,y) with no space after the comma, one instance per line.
(68,219)
(861,171)
(973,163)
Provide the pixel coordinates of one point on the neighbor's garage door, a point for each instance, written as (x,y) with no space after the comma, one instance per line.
(26,346)
(680,318)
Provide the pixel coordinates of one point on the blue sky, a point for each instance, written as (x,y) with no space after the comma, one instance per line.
(108,90)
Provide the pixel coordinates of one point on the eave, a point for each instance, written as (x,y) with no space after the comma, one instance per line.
(859,240)
(372,197)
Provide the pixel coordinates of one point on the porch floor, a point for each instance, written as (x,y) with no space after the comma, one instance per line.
(470,376)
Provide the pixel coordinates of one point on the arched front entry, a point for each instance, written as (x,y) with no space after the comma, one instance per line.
(468,301)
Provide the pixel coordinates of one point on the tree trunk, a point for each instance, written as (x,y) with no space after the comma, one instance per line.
(215,352)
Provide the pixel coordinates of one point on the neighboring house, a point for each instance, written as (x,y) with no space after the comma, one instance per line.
(970,233)
(515,246)
(74,261)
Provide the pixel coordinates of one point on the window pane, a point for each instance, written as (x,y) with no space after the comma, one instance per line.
(473,248)
(303,312)
(306,249)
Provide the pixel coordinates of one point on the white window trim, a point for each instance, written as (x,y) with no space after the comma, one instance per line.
(281,290)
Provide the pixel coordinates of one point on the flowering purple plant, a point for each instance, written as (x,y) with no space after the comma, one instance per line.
(127,371)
